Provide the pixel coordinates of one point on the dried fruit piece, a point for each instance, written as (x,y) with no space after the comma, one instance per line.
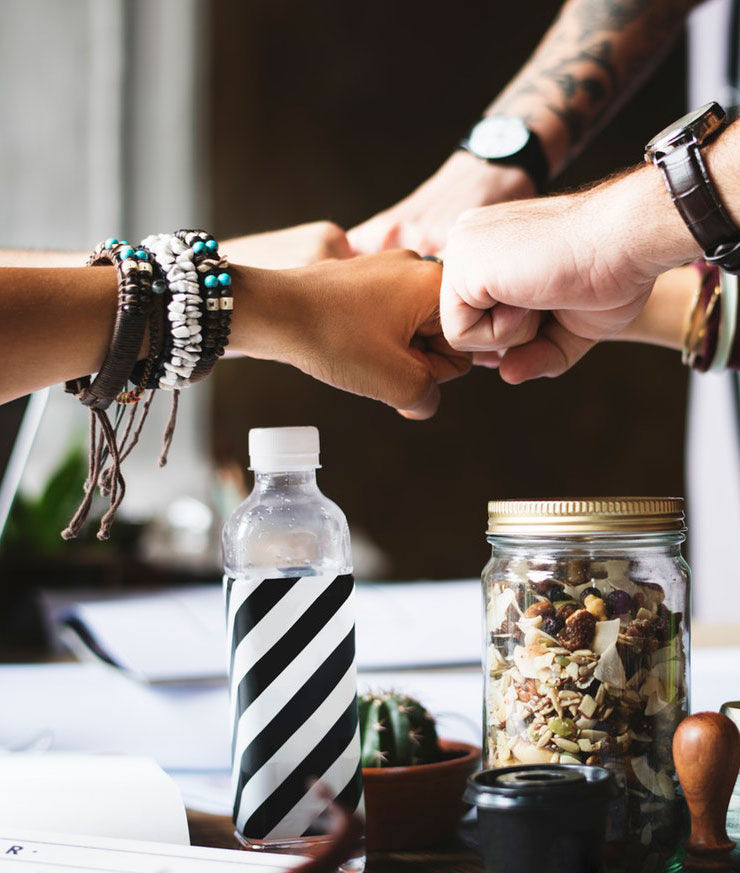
(607,632)
(578,571)
(556,592)
(587,705)
(618,602)
(578,631)
(566,608)
(589,592)
(552,625)
(540,608)
(667,624)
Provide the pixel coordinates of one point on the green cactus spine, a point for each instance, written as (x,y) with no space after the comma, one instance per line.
(396,731)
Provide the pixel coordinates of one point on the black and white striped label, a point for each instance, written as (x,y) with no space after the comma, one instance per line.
(291,645)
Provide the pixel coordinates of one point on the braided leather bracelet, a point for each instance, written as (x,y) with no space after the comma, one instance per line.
(134,301)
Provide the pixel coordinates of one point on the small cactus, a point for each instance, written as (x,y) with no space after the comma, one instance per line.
(396,731)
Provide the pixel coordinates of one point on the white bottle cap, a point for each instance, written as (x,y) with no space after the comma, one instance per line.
(278,449)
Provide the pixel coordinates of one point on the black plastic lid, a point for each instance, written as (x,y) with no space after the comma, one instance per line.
(531,786)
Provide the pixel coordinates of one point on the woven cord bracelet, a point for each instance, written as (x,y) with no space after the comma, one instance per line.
(132,315)
(134,302)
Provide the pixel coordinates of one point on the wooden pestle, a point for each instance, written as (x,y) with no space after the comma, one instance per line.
(706,751)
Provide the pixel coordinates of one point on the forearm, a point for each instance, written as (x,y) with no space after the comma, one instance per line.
(587,64)
(56,324)
(633,219)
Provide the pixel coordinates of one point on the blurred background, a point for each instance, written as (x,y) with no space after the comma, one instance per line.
(127,117)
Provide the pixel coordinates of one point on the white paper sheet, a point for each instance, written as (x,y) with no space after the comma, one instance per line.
(96,708)
(122,796)
(179,635)
(34,852)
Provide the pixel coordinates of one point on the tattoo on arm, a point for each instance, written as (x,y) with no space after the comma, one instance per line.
(594,54)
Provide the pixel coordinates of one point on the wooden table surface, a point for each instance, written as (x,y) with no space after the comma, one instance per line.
(218,831)
(212,830)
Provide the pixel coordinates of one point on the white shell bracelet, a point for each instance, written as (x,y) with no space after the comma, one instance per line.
(175,259)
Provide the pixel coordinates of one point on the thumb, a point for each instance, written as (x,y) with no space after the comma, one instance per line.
(411,388)
(553,351)
(426,405)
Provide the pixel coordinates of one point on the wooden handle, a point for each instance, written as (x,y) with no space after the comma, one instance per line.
(706,750)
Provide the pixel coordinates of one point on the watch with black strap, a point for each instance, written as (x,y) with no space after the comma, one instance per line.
(506,140)
(676,152)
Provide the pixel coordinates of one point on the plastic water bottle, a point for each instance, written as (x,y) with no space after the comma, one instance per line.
(290,625)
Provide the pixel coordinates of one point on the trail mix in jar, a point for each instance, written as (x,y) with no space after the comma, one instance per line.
(586,666)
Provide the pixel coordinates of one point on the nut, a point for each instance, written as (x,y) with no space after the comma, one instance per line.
(596,606)
(541,607)
(578,631)
(566,745)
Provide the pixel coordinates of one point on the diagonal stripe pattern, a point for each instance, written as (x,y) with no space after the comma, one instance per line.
(293,701)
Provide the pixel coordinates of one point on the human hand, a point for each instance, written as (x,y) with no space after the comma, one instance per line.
(588,260)
(369,325)
(423,219)
(290,247)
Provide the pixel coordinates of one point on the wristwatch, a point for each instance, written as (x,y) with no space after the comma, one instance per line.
(504,139)
(676,152)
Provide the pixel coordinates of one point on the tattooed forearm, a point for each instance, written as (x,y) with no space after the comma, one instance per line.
(592,57)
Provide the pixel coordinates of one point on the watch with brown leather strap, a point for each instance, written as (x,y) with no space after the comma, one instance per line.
(676,151)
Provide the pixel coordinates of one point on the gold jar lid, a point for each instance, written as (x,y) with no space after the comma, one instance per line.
(585,515)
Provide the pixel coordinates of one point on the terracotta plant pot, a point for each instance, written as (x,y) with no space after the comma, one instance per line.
(420,806)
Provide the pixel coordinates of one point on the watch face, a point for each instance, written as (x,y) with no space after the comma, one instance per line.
(498,137)
(698,125)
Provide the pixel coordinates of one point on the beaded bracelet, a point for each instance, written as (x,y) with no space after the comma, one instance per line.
(175,259)
(215,287)
(143,374)
(183,276)
(134,300)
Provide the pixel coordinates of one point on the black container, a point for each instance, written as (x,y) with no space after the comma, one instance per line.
(541,818)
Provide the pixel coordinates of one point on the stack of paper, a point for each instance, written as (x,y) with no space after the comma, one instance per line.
(179,635)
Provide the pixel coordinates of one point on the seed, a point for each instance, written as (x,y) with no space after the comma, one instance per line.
(563,727)
(566,745)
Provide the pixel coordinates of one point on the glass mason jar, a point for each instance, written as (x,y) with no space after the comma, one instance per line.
(587,654)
